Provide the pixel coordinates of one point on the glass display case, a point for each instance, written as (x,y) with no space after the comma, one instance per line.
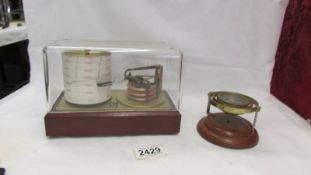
(98,88)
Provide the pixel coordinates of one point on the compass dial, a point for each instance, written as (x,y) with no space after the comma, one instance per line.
(234,99)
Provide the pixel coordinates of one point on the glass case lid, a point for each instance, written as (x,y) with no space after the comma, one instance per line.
(114,46)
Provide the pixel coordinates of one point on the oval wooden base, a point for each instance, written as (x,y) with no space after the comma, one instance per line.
(227,130)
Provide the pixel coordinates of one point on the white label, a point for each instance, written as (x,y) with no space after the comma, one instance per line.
(149,152)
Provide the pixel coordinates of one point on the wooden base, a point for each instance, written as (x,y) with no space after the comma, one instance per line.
(228,130)
(60,124)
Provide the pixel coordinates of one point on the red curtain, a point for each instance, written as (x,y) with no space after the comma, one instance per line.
(291,79)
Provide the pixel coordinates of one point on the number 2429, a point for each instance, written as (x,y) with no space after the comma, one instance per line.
(149,151)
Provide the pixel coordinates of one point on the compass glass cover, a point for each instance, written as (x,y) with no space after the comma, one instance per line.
(234,99)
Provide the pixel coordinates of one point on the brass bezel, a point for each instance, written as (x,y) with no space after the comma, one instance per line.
(231,108)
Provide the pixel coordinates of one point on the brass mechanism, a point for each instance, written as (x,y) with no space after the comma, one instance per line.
(144,88)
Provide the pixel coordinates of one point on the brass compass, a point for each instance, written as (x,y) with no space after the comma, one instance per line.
(227,128)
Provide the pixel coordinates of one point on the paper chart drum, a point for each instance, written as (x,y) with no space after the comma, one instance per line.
(87,77)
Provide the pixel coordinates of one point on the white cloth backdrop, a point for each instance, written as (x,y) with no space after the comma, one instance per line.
(227,45)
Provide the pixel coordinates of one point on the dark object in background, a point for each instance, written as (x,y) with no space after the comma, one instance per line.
(291,80)
(4,14)
(16,10)
(2,171)
(14,67)
(11,10)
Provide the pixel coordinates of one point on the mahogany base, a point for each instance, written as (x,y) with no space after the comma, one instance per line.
(228,130)
(60,124)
